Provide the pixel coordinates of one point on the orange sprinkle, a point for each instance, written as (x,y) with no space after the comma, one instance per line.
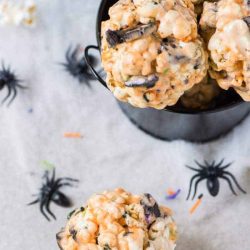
(72,135)
(196,204)
(170,191)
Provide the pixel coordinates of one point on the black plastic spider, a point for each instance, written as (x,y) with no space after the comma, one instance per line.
(76,65)
(49,192)
(8,79)
(212,172)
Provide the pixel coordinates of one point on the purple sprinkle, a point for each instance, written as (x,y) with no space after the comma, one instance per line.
(147,217)
(173,196)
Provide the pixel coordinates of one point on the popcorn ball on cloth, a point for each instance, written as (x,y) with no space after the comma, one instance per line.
(152,52)
(18,12)
(229,45)
(118,220)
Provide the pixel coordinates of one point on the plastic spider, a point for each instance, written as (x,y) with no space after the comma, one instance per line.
(49,192)
(212,172)
(76,65)
(8,79)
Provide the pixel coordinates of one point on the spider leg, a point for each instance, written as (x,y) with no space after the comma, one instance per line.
(69,179)
(219,164)
(201,166)
(213,163)
(13,97)
(226,166)
(235,181)
(21,86)
(42,211)
(47,203)
(8,68)
(196,185)
(195,169)
(206,163)
(75,52)
(33,202)
(93,60)
(3,66)
(190,185)
(59,180)
(46,176)
(8,95)
(52,179)
(229,183)
(86,82)
(63,184)
(68,54)
(64,65)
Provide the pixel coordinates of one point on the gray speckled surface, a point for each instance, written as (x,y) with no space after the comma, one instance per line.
(112,153)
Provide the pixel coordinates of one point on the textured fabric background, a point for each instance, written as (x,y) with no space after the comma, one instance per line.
(113,153)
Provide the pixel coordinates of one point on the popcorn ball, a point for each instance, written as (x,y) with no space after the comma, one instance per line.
(229,45)
(118,220)
(152,52)
(18,12)
(201,96)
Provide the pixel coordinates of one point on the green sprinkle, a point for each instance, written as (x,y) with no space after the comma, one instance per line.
(165,71)
(47,165)
(84,212)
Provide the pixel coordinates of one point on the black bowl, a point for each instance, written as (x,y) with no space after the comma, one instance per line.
(178,122)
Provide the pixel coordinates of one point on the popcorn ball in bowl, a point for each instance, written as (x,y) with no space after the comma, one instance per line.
(201,96)
(229,45)
(118,220)
(152,52)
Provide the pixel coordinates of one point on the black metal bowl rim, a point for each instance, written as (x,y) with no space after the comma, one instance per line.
(173,109)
